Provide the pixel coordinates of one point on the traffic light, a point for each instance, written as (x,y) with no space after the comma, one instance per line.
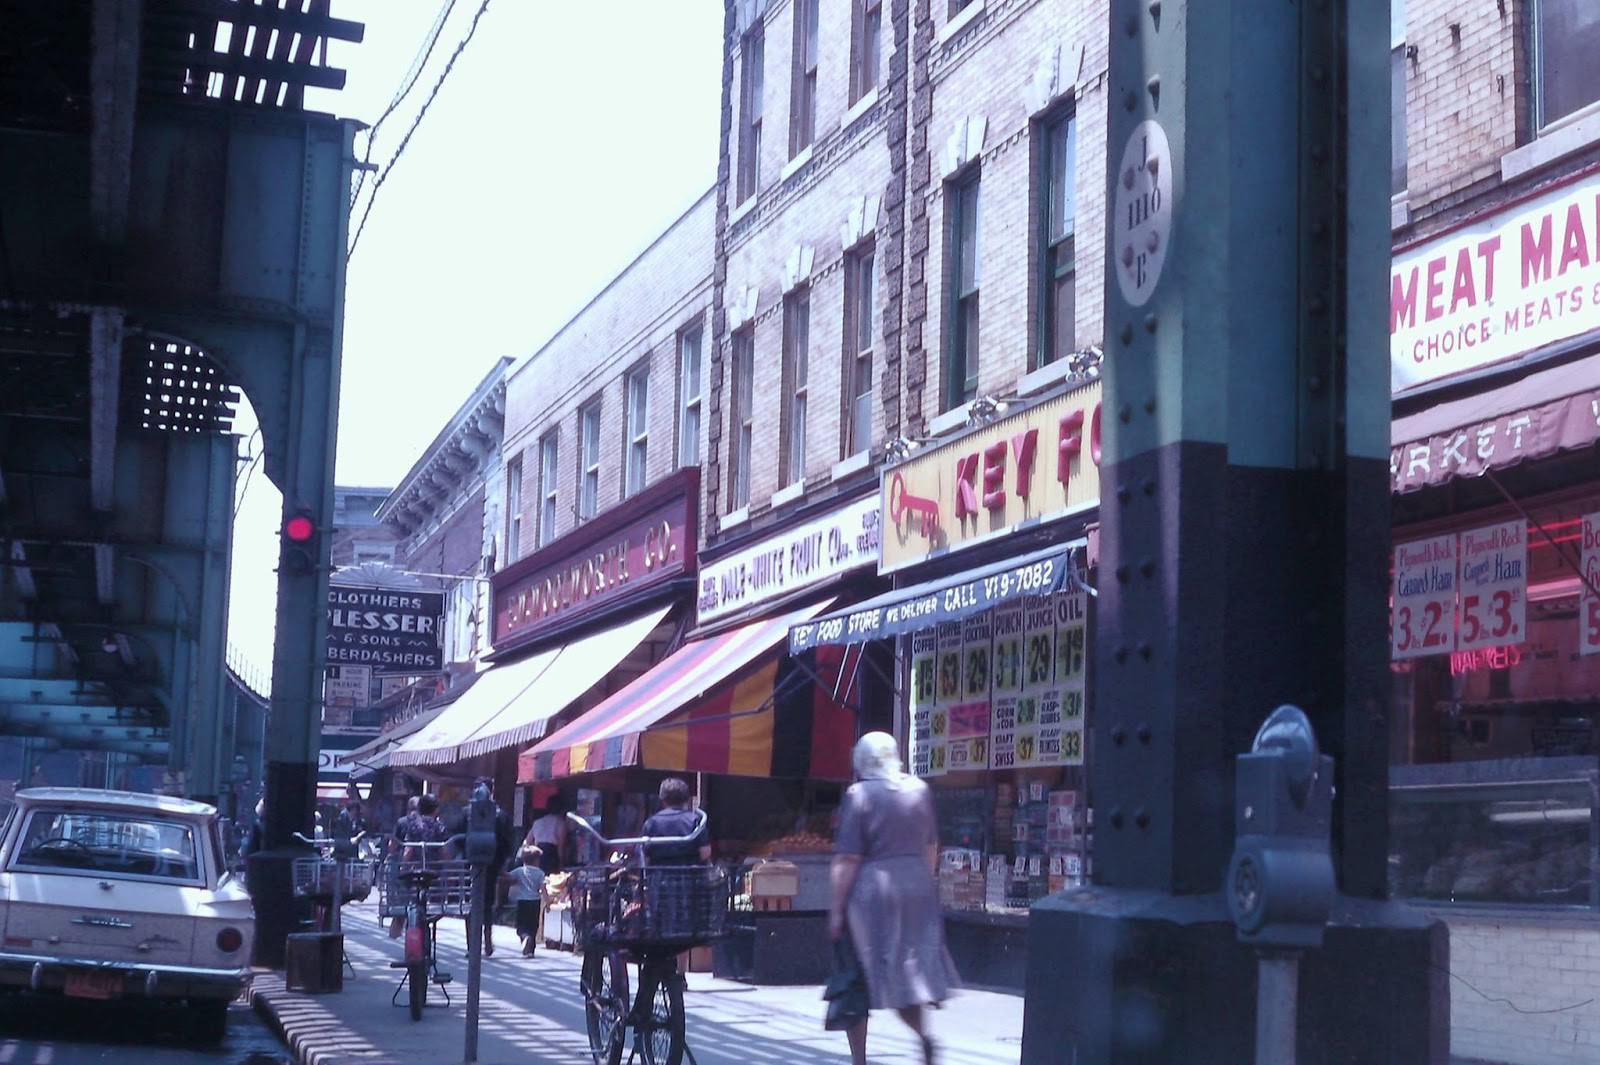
(297,552)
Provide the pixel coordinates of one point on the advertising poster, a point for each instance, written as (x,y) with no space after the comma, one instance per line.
(1038,659)
(1422,619)
(947,695)
(1009,633)
(1493,600)
(924,652)
(969,737)
(969,720)
(1072,619)
(1589,602)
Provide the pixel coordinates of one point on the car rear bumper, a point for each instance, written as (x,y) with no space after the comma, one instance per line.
(47,973)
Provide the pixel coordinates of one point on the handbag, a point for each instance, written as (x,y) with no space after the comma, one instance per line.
(846,989)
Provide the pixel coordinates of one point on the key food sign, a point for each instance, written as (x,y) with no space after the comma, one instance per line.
(1496,288)
(1036,465)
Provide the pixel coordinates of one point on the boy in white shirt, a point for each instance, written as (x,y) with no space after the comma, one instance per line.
(527,892)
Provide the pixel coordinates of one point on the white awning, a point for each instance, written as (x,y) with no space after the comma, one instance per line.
(511,705)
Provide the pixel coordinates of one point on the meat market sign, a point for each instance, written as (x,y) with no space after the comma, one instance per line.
(1496,288)
(395,631)
(649,540)
(1036,465)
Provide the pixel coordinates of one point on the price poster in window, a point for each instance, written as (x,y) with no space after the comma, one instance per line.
(1072,618)
(1493,589)
(947,695)
(924,653)
(1038,656)
(1422,617)
(1589,602)
(1009,635)
(969,737)
(969,721)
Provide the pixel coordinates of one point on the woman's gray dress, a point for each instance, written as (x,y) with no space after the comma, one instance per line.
(894,913)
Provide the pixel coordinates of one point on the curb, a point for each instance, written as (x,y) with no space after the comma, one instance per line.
(313,1034)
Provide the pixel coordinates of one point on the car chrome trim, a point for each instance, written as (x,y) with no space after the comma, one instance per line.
(102,922)
(40,962)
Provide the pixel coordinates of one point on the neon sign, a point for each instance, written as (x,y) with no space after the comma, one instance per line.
(1464,662)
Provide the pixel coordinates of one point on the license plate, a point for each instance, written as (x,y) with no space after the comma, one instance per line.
(94,985)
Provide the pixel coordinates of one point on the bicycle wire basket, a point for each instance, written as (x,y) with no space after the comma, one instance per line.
(670,906)
(449,895)
(314,878)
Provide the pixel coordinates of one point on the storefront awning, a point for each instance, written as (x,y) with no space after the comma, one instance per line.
(951,598)
(511,704)
(1533,417)
(728,732)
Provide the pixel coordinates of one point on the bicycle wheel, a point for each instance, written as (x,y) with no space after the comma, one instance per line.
(417,986)
(605,1003)
(661,1032)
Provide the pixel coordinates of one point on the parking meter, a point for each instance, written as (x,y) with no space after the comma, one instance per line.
(1280,885)
(481,815)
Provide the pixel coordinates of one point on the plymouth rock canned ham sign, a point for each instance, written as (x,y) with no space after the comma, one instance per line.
(1498,287)
(1460,592)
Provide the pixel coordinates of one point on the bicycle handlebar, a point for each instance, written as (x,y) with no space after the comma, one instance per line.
(637,841)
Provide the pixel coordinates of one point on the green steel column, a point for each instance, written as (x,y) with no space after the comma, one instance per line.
(1244,537)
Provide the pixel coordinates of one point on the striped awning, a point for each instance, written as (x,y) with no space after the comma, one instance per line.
(708,707)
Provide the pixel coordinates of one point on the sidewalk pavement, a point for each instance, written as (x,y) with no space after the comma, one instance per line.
(531,1011)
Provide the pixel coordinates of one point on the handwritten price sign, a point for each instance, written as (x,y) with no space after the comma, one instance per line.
(1423,621)
(1589,603)
(1494,586)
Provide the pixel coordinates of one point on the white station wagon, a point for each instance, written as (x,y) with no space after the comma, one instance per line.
(111,894)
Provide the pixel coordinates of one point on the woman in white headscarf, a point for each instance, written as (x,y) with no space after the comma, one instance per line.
(884,893)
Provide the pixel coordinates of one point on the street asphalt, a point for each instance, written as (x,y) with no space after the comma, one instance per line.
(71,1032)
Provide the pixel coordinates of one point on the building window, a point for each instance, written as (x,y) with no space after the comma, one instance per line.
(589,461)
(514,509)
(857,370)
(961,347)
(958,6)
(1566,37)
(689,397)
(549,468)
(1397,96)
(866,33)
(796,375)
(744,368)
(1057,224)
(751,91)
(637,431)
(803,94)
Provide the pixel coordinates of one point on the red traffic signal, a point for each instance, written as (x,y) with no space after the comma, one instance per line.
(299,529)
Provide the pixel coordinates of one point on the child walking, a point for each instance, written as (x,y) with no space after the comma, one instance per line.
(527,891)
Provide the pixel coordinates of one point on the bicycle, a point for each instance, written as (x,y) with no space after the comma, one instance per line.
(330,882)
(421,893)
(647,915)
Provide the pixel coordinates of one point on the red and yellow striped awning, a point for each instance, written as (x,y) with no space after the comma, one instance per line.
(709,707)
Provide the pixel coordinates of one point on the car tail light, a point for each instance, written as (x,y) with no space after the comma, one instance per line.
(229,940)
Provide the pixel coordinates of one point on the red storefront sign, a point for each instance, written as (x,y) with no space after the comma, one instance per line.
(646,542)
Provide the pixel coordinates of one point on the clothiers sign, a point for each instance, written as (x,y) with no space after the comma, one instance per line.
(825,547)
(646,541)
(1497,288)
(395,631)
(1028,467)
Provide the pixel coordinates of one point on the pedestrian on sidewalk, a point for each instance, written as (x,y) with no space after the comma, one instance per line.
(885,915)
(527,892)
(549,834)
(422,825)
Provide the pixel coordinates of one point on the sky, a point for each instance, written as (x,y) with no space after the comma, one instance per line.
(565,138)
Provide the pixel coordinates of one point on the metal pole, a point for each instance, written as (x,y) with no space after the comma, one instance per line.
(478,894)
(1277,993)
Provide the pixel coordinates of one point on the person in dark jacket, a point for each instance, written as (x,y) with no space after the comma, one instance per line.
(675,818)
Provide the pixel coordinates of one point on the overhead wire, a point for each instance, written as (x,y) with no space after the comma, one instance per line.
(383,175)
(412,75)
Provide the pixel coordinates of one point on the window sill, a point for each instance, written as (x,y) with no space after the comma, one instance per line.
(859,108)
(1400,210)
(735,518)
(954,418)
(792,167)
(852,464)
(960,22)
(1051,373)
(1553,146)
(740,211)
(789,494)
